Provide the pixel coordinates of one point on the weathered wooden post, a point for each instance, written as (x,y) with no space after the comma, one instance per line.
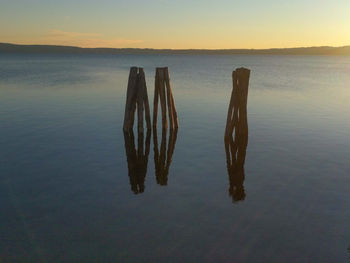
(237,122)
(237,110)
(136,97)
(164,95)
(163,92)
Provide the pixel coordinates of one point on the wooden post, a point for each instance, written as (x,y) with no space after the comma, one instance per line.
(162,98)
(145,98)
(243,84)
(155,99)
(176,121)
(169,101)
(136,97)
(229,123)
(237,111)
(163,90)
(237,122)
(130,99)
(140,103)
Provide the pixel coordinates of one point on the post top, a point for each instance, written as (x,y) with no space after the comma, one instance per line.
(137,69)
(245,70)
(241,71)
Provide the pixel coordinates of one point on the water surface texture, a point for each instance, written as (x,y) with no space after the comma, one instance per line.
(73,188)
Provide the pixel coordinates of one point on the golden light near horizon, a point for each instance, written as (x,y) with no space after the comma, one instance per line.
(177,24)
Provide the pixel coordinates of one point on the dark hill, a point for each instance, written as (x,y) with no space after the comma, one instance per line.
(45,49)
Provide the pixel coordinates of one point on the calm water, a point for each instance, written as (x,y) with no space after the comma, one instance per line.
(65,190)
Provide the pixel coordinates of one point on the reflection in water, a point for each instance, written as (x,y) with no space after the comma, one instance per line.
(162,157)
(235,158)
(137,159)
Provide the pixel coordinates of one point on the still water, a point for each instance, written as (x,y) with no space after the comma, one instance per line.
(69,191)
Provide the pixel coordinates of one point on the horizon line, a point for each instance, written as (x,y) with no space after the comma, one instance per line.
(172,49)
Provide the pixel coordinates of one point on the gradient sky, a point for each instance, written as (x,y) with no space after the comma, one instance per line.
(176,23)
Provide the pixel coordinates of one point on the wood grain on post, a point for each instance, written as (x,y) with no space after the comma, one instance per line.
(171,101)
(145,98)
(155,99)
(236,107)
(244,75)
(231,105)
(176,122)
(133,108)
(140,103)
(169,97)
(162,98)
(130,100)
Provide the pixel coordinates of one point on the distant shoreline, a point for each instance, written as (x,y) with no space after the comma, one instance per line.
(6,48)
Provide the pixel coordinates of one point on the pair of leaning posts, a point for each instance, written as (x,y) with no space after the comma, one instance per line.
(137,98)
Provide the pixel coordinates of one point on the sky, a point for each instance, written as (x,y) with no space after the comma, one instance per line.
(176,24)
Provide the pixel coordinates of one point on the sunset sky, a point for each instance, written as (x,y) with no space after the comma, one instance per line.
(176,24)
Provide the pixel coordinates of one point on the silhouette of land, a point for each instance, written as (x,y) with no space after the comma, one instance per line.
(44,49)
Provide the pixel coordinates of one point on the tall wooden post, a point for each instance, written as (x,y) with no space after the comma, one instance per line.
(237,110)
(163,92)
(136,97)
(237,123)
(130,104)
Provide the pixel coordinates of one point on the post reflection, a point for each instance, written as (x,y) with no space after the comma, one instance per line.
(163,156)
(137,159)
(235,157)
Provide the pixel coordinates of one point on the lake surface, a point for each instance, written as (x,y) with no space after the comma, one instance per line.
(66,194)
